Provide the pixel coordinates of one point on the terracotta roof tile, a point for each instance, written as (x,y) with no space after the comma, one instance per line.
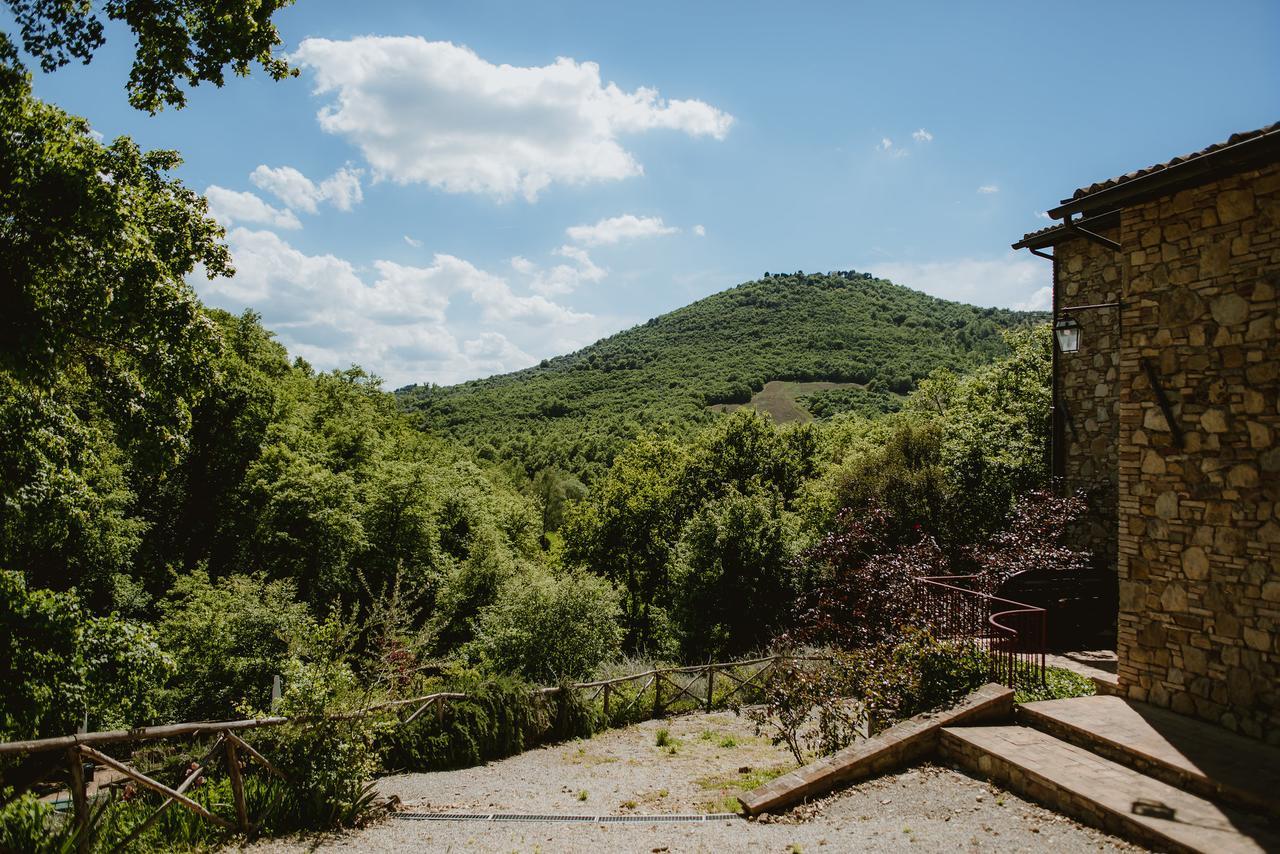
(1124,179)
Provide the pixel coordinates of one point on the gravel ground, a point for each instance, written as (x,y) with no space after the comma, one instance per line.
(710,759)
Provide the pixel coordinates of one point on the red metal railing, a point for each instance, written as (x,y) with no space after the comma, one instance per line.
(1012,634)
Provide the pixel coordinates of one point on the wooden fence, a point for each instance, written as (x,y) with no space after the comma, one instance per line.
(694,687)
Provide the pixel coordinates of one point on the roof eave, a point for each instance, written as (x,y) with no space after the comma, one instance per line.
(1250,153)
(1062,233)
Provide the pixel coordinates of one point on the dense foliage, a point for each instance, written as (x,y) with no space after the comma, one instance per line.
(576,411)
(179,42)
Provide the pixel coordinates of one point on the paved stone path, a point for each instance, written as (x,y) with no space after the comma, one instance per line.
(1204,758)
(1087,784)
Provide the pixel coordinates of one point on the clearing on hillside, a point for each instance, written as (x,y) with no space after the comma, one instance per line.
(779,400)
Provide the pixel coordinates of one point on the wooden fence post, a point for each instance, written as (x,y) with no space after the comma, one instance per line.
(237,784)
(79,799)
(657,693)
(711,683)
(606,703)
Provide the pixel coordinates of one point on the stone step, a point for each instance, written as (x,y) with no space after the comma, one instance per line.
(1182,751)
(1103,793)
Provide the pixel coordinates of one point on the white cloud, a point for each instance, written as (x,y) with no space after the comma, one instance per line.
(700,230)
(1043,215)
(562,278)
(493,352)
(1041,300)
(886,145)
(988,189)
(1011,280)
(615,229)
(97,135)
(922,135)
(414,242)
(231,206)
(398,321)
(436,113)
(341,189)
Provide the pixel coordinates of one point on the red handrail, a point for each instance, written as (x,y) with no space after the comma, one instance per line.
(1011,633)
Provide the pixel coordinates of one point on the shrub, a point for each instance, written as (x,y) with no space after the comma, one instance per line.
(32,826)
(57,664)
(864,593)
(819,708)
(548,627)
(500,717)
(41,667)
(1059,684)
(229,637)
(328,758)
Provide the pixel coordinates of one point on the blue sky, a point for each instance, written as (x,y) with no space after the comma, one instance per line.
(454,189)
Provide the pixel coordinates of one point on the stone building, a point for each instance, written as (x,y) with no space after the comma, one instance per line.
(1167,413)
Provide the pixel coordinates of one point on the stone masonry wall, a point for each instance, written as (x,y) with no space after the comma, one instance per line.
(1088,392)
(1199,525)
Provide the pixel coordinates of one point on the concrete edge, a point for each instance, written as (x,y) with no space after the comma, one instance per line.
(905,742)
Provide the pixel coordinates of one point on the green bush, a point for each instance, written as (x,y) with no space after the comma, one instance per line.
(548,627)
(57,664)
(32,826)
(817,708)
(228,637)
(500,717)
(328,756)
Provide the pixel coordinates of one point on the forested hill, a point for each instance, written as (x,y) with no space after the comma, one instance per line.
(573,411)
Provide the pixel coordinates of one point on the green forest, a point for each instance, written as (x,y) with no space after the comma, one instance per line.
(574,412)
(187,512)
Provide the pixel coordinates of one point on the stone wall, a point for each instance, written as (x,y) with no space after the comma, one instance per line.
(1199,517)
(1088,392)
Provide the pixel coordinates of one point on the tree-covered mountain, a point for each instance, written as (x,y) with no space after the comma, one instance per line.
(574,411)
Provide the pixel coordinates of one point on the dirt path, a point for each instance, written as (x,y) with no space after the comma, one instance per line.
(698,770)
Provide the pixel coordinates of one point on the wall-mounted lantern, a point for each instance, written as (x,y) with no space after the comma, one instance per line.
(1067,331)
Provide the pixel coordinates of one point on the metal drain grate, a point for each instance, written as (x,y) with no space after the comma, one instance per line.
(580,819)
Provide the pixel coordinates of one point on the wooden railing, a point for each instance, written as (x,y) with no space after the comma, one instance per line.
(1012,634)
(671,687)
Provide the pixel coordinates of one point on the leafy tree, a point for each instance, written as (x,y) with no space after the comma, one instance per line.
(105,348)
(555,489)
(733,576)
(228,639)
(549,628)
(627,530)
(41,666)
(59,664)
(178,42)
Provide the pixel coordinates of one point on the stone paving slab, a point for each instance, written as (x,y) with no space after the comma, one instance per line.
(1188,753)
(1104,793)
(899,745)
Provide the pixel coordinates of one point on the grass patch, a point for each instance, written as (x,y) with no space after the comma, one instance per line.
(730,786)
(745,782)
(1059,684)
(663,738)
